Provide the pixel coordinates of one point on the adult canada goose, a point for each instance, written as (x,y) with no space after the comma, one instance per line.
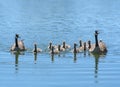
(18,45)
(98,47)
(36,50)
(65,46)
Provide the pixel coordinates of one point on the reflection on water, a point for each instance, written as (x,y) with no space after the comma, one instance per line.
(96,67)
(52,58)
(75,58)
(16,60)
(97,57)
(35,58)
(17,54)
(84,53)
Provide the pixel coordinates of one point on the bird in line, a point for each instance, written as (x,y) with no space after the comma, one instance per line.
(99,47)
(18,45)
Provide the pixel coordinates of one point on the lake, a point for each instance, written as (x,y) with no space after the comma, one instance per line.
(44,21)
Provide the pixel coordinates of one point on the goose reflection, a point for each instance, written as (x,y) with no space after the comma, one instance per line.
(97,57)
(17,53)
(84,53)
(35,58)
(16,60)
(52,58)
(96,64)
(75,57)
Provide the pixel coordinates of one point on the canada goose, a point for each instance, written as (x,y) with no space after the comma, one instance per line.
(75,50)
(18,45)
(54,51)
(98,47)
(88,45)
(82,48)
(65,46)
(36,50)
(61,48)
(50,46)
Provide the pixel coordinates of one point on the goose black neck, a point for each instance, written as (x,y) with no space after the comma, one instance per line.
(89,44)
(16,42)
(74,48)
(52,50)
(50,47)
(63,44)
(35,48)
(80,43)
(96,40)
(84,46)
(58,47)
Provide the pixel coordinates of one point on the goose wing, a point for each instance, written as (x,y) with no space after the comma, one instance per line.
(21,45)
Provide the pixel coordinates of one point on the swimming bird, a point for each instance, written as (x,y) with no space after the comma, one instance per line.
(50,46)
(82,48)
(54,51)
(18,45)
(61,48)
(75,50)
(65,46)
(88,45)
(98,47)
(36,50)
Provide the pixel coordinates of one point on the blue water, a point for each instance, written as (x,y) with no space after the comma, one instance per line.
(42,21)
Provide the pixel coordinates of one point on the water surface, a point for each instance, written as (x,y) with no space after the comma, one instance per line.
(42,21)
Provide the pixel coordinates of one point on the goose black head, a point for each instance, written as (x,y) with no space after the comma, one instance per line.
(17,36)
(96,32)
(75,44)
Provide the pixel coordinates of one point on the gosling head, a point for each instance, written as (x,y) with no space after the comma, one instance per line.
(50,46)
(80,43)
(89,44)
(64,44)
(75,44)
